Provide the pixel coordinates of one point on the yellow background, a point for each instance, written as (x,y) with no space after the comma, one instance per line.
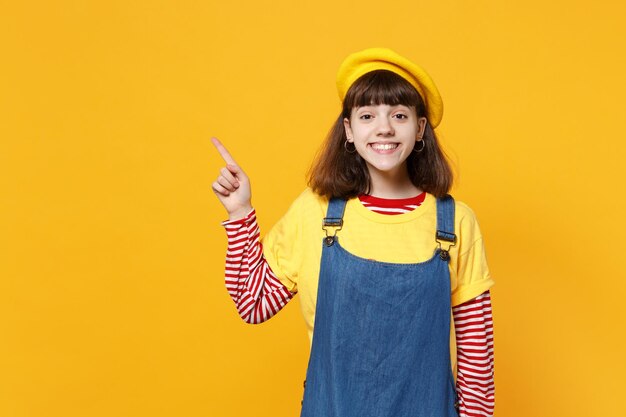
(112,301)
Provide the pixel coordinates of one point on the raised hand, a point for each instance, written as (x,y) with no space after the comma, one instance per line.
(232,186)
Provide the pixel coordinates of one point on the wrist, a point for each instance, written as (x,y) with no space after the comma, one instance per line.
(240,213)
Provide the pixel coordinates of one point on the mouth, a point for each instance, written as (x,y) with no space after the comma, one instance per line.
(384,147)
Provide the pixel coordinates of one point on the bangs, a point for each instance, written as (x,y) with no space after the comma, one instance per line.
(382,87)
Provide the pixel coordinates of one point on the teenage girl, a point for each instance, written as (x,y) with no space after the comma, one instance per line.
(395,258)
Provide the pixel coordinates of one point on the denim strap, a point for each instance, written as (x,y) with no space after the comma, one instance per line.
(445,218)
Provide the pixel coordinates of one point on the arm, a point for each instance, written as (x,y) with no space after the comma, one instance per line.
(475,372)
(252,285)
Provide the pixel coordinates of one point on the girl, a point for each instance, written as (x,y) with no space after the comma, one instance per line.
(395,258)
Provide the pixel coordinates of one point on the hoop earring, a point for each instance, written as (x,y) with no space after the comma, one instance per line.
(420,149)
(345,145)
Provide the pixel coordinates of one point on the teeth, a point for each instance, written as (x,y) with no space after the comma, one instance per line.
(384,146)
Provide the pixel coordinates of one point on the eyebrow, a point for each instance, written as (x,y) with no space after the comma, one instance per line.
(390,105)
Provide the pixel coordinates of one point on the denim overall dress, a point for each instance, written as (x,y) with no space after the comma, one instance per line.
(381,336)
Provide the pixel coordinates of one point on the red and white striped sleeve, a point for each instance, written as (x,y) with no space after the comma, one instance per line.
(250,282)
(473,323)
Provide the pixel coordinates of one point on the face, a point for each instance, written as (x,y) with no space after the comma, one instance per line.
(384,135)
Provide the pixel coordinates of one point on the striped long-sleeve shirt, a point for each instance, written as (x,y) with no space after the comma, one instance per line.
(258,295)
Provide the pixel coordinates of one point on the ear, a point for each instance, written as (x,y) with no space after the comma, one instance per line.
(421,126)
(346,125)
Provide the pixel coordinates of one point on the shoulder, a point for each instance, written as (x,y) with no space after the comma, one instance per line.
(309,203)
(308,196)
(464,212)
(466,223)
(305,208)
(302,218)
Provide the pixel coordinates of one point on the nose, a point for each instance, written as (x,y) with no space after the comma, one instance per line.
(385,128)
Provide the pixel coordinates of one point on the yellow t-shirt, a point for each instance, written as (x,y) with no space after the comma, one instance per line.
(293,247)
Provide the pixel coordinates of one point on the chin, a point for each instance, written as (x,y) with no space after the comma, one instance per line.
(383,167)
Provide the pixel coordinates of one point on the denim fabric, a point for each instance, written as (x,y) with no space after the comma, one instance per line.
(381,339)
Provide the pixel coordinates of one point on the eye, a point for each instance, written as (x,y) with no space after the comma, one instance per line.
(402,116)
(365,116)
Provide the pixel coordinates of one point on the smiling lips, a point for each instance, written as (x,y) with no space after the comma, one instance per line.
(384,148)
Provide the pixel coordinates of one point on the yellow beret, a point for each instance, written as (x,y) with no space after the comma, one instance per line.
(367,60)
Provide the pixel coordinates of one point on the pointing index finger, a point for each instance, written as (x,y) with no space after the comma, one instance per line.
(226,156)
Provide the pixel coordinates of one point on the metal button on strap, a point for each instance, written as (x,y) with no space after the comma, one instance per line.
(450,238)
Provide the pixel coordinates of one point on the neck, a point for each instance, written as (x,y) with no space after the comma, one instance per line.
(392,184)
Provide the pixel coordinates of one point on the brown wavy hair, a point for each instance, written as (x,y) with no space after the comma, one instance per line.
(337,173)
